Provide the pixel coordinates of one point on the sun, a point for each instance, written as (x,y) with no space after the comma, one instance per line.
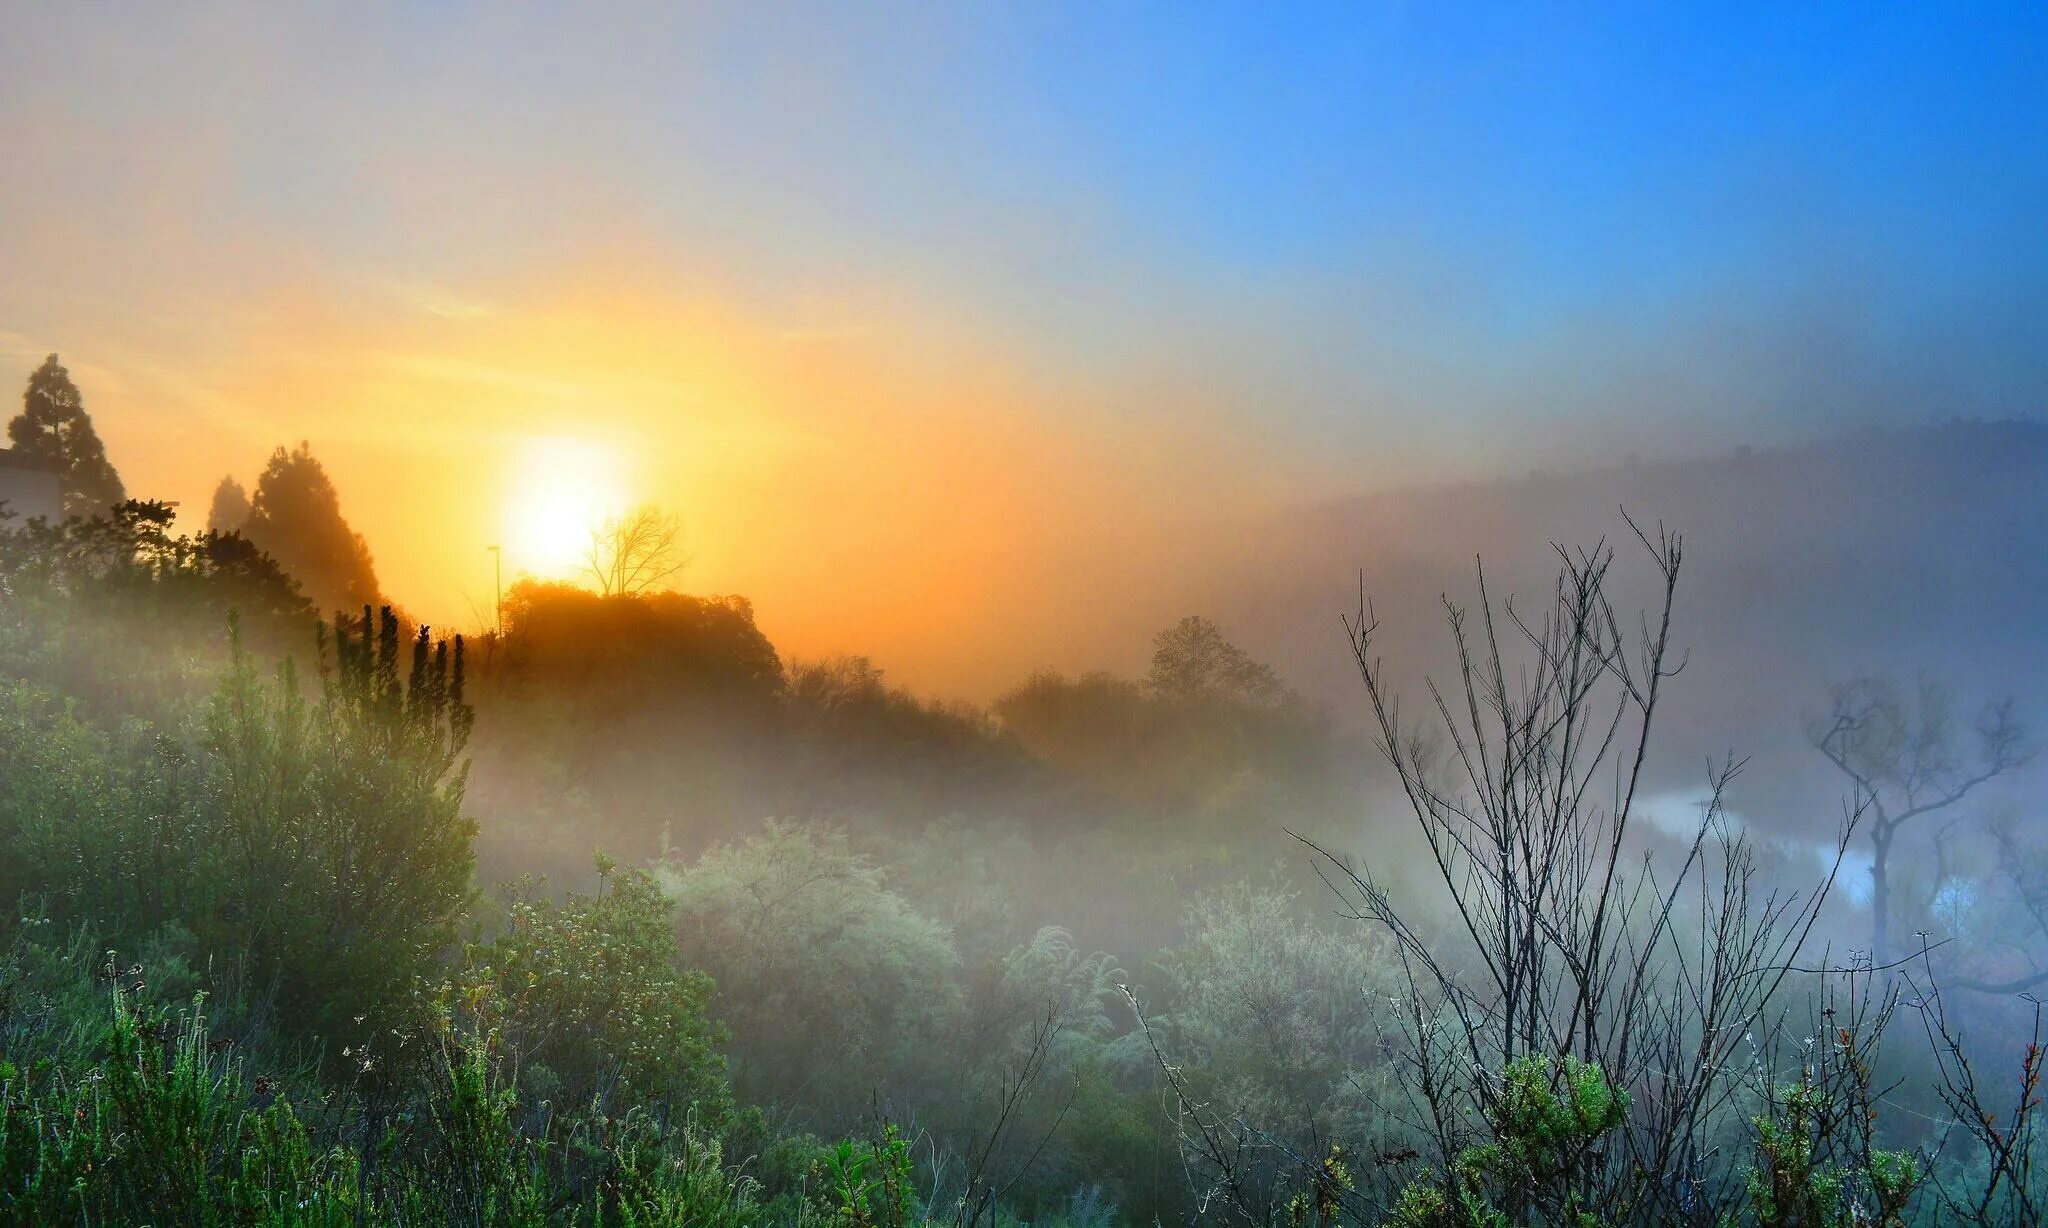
(561,489)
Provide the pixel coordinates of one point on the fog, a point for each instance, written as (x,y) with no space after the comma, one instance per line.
(874,617)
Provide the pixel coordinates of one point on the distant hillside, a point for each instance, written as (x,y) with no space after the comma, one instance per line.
(1888,550)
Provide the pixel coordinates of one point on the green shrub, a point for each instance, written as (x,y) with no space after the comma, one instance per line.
(833,985)
(588,1000)
(165,1126)
(340,855)
(1545,1120)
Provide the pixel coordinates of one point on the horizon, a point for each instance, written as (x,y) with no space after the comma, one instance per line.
(916,322)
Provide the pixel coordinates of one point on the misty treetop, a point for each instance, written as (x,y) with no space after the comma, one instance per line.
(1193,660)
(53,428)
(295,516)
(229,510)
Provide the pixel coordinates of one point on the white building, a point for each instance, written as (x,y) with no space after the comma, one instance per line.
(29,489)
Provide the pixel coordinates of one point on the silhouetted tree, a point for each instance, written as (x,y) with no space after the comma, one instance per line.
(122,610)
(1192,660)
(53,427)
(1208,732)
(230,510)
(133,547)
(566,640)
(640,552)
(1902,755)
(296,517)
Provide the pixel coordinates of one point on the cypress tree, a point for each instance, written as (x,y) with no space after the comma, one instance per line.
(295,517)
(230,510)
(54,428)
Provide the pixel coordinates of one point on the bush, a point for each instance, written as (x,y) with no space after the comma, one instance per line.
(340,855)
(832,984)
(587,999)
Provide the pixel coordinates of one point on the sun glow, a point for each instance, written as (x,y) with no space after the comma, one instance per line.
(561,490)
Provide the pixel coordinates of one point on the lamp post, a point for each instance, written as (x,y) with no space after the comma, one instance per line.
(498,587)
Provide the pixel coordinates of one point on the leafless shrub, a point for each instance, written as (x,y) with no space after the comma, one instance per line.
(1565,941)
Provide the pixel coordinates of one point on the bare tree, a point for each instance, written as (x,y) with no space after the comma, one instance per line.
(1565,948)
(1578,947)
(640,552)
(1904,757)
(1997,1119)
(2013,961)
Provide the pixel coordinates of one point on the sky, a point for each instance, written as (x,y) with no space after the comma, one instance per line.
(951,329)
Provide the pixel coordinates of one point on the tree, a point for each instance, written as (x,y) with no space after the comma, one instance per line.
(1192,660)
(833,985)
(2013,903)
(230,510)
(54,428)
(1275,1016)
(1209,734)
(566,641)
(296,518)
(1903,756)
(126,614)
(640,552)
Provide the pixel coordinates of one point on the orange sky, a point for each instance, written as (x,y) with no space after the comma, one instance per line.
(875,483)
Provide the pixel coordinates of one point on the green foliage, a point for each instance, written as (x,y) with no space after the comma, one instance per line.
(1269,1012)
(830,981)
(1546,1120)
(167,1126)
(54,428)
(1793,1183)
(586,996)
(315,846)
(871,1182)
(158,1122)
(104,827)
(126,616)
(1546,1117)
(343,853)
(1323,1202)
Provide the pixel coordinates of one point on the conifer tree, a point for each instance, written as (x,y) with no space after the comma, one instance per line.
(230,510)
(295,516)
(54,428)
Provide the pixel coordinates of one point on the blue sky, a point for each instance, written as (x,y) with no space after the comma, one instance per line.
(1503,195)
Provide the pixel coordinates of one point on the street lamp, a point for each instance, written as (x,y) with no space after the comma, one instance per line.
(498,586)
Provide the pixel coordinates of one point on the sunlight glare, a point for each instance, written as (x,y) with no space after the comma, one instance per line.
(561,490)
